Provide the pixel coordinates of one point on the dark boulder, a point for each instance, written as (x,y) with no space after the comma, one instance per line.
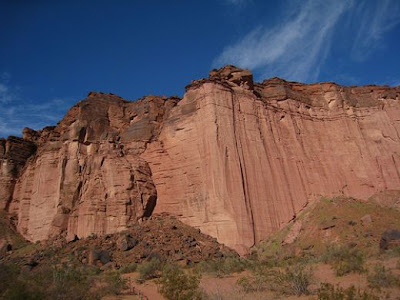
(389,239)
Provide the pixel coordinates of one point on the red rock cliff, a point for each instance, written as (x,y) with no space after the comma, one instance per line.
(235,158)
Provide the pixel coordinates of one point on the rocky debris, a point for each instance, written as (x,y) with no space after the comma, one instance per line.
(153,238)
(233,74)
(31,264)
(235,158)
(99,256)
(366,220)
(389,239)
(352,223)
(127,242)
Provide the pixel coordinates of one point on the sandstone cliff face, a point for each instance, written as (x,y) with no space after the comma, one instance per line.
(235,158)
(86,176)
(13,154)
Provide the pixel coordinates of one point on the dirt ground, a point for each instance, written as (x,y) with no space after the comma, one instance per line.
(226,288)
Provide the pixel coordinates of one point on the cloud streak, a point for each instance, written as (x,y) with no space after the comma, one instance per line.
(293,49)
(297,47)
(14,117)
(373,21)
(15,113)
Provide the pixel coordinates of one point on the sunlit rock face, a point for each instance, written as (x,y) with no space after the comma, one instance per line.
(235,158)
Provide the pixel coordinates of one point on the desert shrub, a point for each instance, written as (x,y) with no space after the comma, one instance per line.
(381,277)
(12,287)
(56,282)
(223,266)
(328,291)
(18,290)
(392,252)
(8,275)
(150,269)
(129,268)
(292,280)
(67,282)
(176,285)
(111,284)
(344,260)
(257,282)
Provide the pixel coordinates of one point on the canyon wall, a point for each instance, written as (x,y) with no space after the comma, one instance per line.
(235,158)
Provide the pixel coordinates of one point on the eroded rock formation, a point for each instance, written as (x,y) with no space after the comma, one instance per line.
(235,158)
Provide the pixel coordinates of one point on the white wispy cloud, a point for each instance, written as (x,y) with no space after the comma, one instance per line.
(293,49)
(393,82)
(15,116)
(16,113)
(374,19)
(5,93)
(297,47)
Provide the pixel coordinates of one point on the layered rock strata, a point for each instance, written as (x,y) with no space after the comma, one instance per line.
(235,158)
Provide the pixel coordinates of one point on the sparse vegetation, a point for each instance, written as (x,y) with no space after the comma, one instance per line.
(381,277)
(344,259)
(57,282)
(274,269)
(328,291)
(223,266)
(295,280)
(292,280)
(150,269)
(176,285)
(128,268)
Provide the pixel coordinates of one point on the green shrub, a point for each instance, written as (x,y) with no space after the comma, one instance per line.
(19,290)
(57,282)
(8,275)
(129,268)
(224,266)
(67,282)
(344,260)
(293,280)
(112,284)
(328,291)
(176,285)
(150,269)
(255,283)
(381,277)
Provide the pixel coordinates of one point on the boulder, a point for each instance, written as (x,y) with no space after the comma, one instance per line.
(99,255)
(389,239)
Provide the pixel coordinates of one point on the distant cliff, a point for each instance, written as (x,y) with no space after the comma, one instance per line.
(235,158)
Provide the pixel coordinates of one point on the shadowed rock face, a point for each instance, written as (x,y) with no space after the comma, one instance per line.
(235,158)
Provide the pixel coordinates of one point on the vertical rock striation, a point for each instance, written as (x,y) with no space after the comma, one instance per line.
(240,160)
(235,158)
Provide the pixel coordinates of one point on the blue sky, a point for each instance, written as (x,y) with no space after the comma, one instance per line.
(53,53)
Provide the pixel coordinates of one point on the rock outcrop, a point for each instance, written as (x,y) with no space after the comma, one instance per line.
(14,152)
(235,158)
